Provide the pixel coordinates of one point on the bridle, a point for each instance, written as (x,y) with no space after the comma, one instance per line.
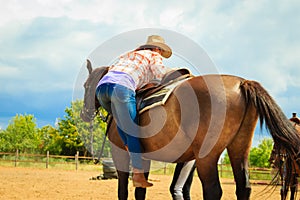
(90,110)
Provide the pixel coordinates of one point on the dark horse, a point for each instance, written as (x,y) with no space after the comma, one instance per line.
(202,117)
(287,169)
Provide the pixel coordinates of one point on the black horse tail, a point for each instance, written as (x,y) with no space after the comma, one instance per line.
(281,129)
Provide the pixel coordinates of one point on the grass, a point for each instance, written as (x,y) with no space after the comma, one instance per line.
(159,168)
(54,163)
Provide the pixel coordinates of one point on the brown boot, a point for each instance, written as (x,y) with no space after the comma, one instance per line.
(139,179)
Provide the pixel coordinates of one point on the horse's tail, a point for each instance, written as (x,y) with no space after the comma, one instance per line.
(280,128)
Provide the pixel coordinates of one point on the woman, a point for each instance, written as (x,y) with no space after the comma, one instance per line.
(116,93)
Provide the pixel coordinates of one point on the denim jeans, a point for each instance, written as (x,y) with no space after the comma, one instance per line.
(120,102)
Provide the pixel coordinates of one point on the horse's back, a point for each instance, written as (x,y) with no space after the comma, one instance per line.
(203,114)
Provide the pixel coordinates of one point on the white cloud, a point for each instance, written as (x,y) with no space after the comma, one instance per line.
(171,17)
(9,71)
(43,54)
(44,42)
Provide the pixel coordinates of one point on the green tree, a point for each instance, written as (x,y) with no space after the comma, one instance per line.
(21,134)
(70,135)
(259,156)
(67,136)
(3,140)
(75,135)
(91,134)
(226,159)
(50,140)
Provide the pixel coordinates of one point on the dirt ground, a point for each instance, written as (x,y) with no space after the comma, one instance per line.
(28,183)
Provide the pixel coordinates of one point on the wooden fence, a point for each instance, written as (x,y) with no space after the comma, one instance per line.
(16,157)
(44,158)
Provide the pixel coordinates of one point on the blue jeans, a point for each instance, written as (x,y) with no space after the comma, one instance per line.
(120,102)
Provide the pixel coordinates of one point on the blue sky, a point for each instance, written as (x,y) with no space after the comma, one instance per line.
(44,45)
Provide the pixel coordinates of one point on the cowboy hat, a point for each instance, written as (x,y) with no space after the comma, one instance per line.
(157,41)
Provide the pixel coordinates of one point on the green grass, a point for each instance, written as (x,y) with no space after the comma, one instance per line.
(159,168)
(162,168)
(225,171)
(54,163)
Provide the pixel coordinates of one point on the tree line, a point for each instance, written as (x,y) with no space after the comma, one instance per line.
(68,136)
(71,134)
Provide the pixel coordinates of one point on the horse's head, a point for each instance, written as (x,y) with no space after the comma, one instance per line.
(90,103)
(297,127)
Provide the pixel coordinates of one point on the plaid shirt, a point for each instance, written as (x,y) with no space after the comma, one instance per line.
(142,66)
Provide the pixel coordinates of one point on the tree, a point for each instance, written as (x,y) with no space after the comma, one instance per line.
(259,156)
(70,135)
(91,134)
(21,134)
(226,159)
(2,140)
(75,135)
(50,140)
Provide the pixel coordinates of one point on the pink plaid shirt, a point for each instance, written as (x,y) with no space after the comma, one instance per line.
(142,66)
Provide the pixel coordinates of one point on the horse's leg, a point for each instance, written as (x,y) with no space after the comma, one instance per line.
(207,169)
(239,163)
(294,187)
(122,185)
(284,185)
(283,192)
(140,193)
(238,151)
(121,160)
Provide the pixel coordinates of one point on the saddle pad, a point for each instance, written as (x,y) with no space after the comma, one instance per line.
(160,97)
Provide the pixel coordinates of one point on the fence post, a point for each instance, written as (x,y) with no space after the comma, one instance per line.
(221,170)
(47,160)
(249,172)
(16,157)
(76,160)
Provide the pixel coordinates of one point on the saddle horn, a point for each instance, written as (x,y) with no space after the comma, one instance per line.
(89,66)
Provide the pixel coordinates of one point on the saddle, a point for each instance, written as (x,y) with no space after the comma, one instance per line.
(159,91)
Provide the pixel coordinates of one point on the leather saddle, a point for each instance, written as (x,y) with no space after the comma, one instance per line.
(155,86)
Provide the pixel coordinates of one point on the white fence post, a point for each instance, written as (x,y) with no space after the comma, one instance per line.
(16,157)
(47,160)
(76,160)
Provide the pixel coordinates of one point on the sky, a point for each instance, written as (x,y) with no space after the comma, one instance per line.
(44,45)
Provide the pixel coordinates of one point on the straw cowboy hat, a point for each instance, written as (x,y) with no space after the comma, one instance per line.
(157,41)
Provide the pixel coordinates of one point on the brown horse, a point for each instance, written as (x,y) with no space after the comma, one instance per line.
(202,117)
(287,169)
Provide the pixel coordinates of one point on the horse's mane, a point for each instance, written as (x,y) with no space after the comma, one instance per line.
(96,75)
(92,83)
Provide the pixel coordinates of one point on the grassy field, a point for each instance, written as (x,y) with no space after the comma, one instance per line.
(159,168)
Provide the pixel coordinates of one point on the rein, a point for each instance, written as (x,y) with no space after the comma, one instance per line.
(108,119)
